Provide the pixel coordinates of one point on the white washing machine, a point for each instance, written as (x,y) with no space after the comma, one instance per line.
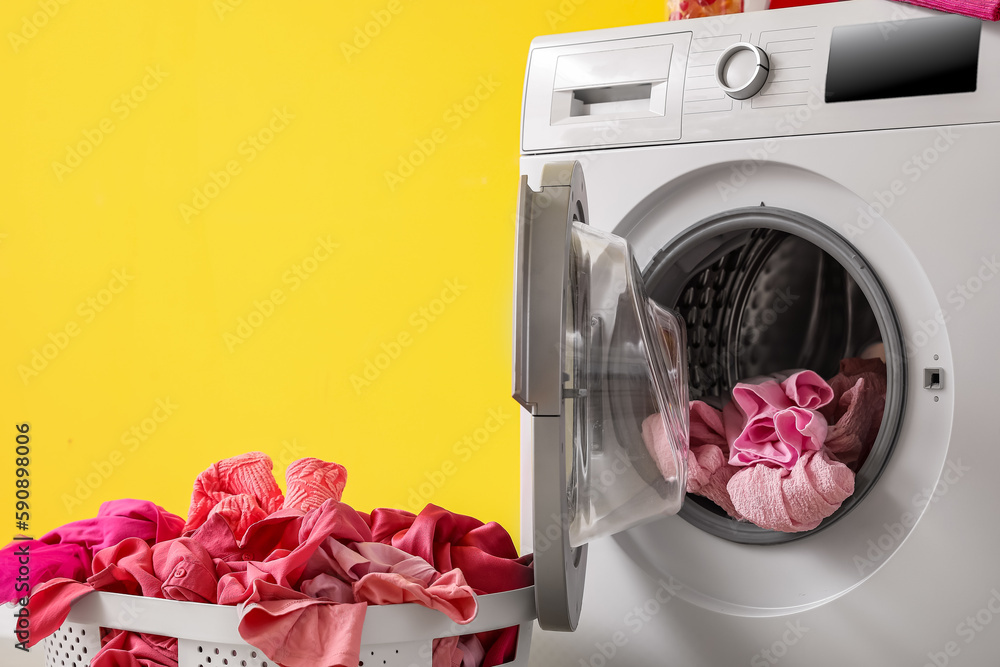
(794,186)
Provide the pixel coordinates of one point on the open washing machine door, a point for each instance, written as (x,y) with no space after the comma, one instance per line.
(597,364)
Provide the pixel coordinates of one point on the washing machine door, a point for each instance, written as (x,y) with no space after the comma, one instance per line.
(602,371)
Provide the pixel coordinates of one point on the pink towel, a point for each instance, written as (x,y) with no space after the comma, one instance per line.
(792,500)
(988,10)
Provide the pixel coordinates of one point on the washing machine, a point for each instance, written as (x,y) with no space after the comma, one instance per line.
(716,199)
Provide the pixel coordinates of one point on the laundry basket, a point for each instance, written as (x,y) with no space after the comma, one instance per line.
(394,635)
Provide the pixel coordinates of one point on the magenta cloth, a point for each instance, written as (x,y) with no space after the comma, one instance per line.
(128,649)
(988,10)
(241,489)
(855,414)
(774,422)
(791,500)
(67,552)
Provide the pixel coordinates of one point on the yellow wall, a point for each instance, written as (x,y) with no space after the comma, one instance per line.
(129,256)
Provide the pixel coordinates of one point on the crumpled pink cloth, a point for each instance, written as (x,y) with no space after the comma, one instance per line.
(67,552)
(792,500)
(788,499)
(708,469)
(129,649)
(855,413)
(776,422)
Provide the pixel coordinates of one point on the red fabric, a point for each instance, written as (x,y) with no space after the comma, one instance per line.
(484,552)
(67,552)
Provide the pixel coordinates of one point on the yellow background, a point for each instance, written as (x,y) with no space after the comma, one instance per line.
(224,69)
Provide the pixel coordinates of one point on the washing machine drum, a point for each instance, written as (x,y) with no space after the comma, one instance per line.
(606,359)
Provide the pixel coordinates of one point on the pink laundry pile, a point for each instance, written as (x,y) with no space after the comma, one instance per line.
(783,453)
(304,566)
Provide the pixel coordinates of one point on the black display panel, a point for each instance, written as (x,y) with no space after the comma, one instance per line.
(932,56)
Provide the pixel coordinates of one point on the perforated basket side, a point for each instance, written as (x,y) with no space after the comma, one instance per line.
(72,645)
(393,635)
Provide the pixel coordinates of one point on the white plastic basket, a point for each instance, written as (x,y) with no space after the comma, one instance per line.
(393,636)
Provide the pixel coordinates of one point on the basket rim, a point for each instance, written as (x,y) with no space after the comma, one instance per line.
(384,624)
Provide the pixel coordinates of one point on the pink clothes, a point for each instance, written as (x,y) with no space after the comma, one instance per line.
(128,649)
(988,10)
(855,414)
(302,569)
(795,444)
(708,469)
(67,551)
(792,500)
(776,422)
(241,489)
(310,482)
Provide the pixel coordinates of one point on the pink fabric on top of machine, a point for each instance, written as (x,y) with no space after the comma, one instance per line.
(988,10)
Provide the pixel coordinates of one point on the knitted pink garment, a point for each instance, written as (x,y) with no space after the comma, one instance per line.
(309,482)
(241,489)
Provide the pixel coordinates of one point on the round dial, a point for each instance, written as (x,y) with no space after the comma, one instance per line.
(742,70)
